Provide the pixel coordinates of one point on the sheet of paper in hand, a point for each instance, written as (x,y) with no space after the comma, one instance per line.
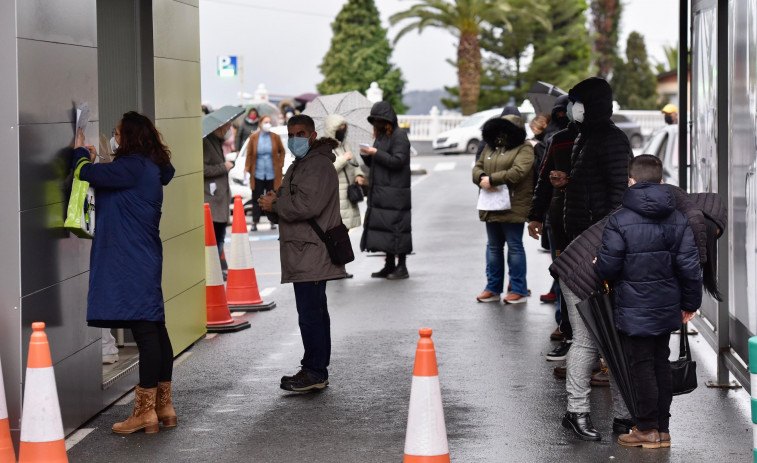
(498,200)
(82,116)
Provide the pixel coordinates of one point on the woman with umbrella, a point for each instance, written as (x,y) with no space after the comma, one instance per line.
(387,220)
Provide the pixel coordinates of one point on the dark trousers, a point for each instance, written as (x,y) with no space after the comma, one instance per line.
(155,352)
(315,326)
(652,379)
(261,187)
(219,228)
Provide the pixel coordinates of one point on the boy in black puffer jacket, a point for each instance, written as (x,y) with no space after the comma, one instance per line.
(650,256)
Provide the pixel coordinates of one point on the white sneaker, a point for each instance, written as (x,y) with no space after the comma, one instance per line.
(109,359)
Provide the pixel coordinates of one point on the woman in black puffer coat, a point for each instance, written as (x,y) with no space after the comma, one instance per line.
(387,219)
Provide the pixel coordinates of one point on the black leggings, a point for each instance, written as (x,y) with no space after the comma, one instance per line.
(155,353)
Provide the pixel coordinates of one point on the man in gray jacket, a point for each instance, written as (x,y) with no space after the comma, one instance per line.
(309,191)
(216,175)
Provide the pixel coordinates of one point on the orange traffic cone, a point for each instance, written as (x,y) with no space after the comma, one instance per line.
(426,438)
(242,284)
(7,454)
(41,424)
(219,317)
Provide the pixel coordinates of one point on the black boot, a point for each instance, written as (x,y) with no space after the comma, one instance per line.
(622,425)
(580,423)
(388,268)
(399,273)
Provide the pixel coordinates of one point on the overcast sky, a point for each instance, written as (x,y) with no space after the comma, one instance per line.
(282,43)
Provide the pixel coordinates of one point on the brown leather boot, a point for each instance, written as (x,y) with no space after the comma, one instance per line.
(664,439)
(144,416)
(645,439)
(164,408)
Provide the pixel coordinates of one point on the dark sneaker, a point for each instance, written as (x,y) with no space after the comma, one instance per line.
(560,372)
(623,426)
(303,381)
(383,272)
(399,273)
(549,298)
(556,335)
(560,352)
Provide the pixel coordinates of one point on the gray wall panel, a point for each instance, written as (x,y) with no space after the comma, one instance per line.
(186,149)
(177,89)
(71,21)
(49,253)
(52,78)
(182,209)
(10,283)
(45,160)
(195,3)
(63,308)
(177,36)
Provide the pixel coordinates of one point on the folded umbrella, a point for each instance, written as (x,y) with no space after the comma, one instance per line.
(210,122)
(597,314)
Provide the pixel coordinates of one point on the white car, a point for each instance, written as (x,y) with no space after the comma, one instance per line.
(465,137)
(239,180)
(663,143)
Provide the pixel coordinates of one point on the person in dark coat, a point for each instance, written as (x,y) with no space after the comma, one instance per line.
(248,126)
(597,180)
(216,188)
(651,259)
(126,260)
(387,226)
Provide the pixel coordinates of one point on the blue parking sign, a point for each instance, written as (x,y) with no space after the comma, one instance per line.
(227,66)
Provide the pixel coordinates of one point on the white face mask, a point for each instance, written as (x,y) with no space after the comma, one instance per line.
(227,135)
(578,112)
(266,127)
(113,144)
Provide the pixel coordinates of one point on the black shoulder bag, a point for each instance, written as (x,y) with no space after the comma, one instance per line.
(684,369)
(354,191)
(337,241)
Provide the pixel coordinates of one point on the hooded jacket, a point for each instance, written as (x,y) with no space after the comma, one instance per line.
(599,160)
(309,190)
(387,225)
(246,128)
(511,165)
(574,268)
(650,257)
(347,170)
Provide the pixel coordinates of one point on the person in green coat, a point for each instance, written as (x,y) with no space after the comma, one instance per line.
(506,160)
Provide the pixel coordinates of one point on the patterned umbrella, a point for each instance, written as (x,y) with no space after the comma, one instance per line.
(353,106)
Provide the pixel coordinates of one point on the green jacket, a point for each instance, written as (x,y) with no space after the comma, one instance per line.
(513,168)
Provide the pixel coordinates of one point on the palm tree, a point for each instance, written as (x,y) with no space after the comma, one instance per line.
(465,19)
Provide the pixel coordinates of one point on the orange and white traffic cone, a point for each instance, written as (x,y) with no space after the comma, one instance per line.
(42,439)
(242,284)
(7,454)
(219,318)
(426,438)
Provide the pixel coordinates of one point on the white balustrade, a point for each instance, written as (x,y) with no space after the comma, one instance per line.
(426,128)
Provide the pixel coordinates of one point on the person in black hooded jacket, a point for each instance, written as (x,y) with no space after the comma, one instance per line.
(387,224)
(596,183)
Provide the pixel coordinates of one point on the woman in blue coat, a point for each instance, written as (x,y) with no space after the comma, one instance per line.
(126,260)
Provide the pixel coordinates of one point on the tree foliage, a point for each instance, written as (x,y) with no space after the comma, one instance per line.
(466,19)
(360,53)
(561,57)
(634,84)
(605,20)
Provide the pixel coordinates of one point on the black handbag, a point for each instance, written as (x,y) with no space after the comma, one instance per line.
(354,191)
(684,369)
(337,241)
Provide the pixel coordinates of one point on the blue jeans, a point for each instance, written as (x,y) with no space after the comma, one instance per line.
(499,234)
(315,326)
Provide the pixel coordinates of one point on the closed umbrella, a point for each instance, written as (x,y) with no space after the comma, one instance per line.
(217,118)
(543,95)
(353,106)
(597,314)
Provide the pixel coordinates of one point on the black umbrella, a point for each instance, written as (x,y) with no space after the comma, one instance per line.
(543,95)
(597,314)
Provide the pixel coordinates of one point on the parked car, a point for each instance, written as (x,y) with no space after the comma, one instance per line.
(239,180)
(465,137)
(663,143)
(631,128)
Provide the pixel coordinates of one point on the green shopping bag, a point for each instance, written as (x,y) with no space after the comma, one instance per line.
(80,218)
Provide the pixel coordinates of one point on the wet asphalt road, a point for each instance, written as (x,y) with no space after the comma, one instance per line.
(501,401)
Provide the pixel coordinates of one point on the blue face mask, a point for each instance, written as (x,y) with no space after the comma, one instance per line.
(299,146)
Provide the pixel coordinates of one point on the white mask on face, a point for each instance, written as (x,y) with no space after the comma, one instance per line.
(113,144)
(578,112)
(266,127)
(227,135)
